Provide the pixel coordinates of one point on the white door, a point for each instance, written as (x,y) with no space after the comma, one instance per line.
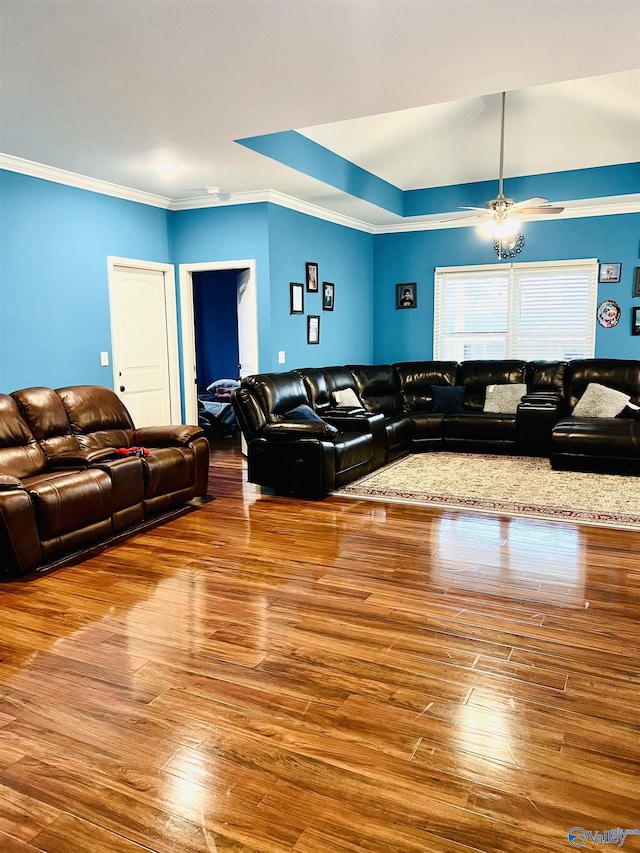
(247,325)
(140,344)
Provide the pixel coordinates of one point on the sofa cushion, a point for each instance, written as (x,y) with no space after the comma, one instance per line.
(504,399)
(277,393)
(43,410)
(598,401)
(66,501)
(417,378)
(315,383)
(447,398)
(378,387)
(477,375)
(20,453)
(621,374)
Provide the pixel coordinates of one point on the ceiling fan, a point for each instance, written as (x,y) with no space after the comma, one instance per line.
(498,218)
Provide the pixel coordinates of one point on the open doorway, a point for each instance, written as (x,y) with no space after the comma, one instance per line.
(215,306)
(219,322)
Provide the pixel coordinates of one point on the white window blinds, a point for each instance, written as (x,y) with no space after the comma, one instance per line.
(530,311)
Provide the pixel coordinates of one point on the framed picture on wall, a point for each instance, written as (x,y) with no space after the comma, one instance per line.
(636,282)
(313,329)
(635,320)
(312,277)
(328,293)
(609,273)
(296,298)
(407,295)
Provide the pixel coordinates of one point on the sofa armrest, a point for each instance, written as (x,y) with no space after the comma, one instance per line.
(291,430)
(19,540)
(535,418)
(8,483)
(343,412)
(163,436)
(541,398)
(82,458)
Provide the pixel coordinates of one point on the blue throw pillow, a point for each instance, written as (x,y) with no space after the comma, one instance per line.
(302,413)
(448,398)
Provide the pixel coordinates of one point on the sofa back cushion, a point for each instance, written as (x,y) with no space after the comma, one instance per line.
(617,373)
(378,387)
(417,377)
(277,393)
(338,378)
(97,416)
(47,418)
(476,375)
(315,383)
(546,376)
(20,454)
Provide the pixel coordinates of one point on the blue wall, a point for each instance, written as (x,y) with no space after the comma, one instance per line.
(237,232)
(54,308)
(408,257)
(54,305)
(344,257)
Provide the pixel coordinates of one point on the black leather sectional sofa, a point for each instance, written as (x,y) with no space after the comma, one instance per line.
(312,430)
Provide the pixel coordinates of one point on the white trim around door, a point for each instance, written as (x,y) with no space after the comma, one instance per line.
(187,324)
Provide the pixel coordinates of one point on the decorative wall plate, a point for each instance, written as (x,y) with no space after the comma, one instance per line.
(608,313)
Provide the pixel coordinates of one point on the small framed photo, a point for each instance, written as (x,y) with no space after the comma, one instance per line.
(328,293)
(636,282)
(635,320)
(407,295)
(609,273)
(296,297)
(313,329)
(312,277)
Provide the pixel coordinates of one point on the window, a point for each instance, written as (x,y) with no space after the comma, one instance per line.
(529,311)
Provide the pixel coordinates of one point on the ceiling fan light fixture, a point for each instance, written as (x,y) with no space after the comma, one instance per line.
(507,228)
(488,228)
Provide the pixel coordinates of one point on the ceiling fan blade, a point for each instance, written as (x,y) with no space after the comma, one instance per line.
(471,213)
(531,202)
(537,211)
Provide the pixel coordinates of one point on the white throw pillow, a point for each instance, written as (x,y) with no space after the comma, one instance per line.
(504,399)
(346,397)
(598,401)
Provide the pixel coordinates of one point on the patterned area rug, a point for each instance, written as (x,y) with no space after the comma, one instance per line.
(507,485)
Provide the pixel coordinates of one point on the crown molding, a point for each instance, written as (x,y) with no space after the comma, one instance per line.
(572,209)
(82,182)
(609,206)
(272,197)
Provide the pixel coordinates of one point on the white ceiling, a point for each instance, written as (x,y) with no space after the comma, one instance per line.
(404,88)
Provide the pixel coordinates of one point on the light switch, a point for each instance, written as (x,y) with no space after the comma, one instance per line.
(104,359)
(281,356)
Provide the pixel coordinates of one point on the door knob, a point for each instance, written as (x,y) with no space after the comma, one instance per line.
(122,388)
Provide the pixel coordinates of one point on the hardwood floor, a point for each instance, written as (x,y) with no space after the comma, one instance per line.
(277,676)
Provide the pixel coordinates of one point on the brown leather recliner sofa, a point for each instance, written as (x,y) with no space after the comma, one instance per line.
(311,430)
(66,483)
